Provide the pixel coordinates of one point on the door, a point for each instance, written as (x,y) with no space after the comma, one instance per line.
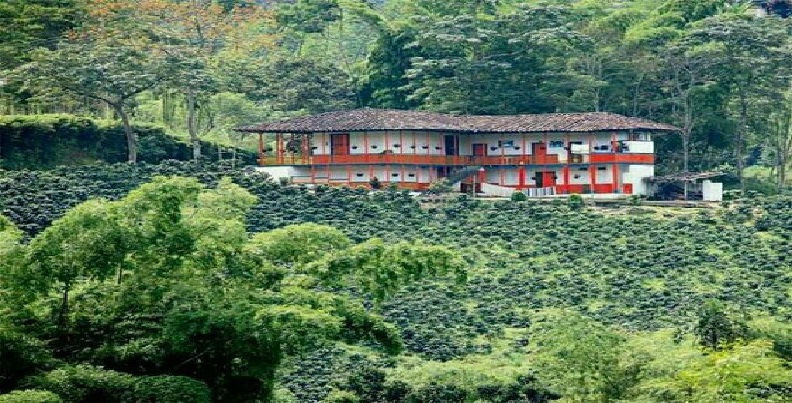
(340,144)
(451,145)
(479,150)
(539,150)
(545,179)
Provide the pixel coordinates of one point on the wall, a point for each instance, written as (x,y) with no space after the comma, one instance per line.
(712,191)
(433,143)
(634,174)
(357,174)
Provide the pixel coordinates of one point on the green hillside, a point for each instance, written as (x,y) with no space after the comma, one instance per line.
(632,291)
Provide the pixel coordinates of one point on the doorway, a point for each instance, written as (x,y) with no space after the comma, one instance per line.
(539,149)
(545,179)
(340,144)
(451,145)
(479,150)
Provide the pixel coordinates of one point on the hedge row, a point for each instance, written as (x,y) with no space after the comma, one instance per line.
(46,141)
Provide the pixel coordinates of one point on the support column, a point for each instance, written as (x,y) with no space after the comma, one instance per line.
(349,175)
(567,142)
(366,147)
(293,157)
(502,178)
(261,148)
(279,148)
(566,178)
(522,176)
(306,148)
(616,187)
(593,178)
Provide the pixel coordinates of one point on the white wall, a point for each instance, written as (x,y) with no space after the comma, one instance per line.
(640,147)
(435,143)
(635,174)
(604,175)
(579,177)
(712,191)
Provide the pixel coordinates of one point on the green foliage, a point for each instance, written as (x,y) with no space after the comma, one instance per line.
(47,141)
(576,202)
(582,359)
(169,389)
(519,197)
(83,383)
(715,329)
(30,396)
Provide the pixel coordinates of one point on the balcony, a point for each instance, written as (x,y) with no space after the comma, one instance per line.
(455,160)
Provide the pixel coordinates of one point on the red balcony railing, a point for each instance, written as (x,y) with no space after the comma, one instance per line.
(451,160)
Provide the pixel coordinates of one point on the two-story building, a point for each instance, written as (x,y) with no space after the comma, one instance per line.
(566,152)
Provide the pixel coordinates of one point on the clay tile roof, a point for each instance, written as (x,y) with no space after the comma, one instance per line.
(368,119)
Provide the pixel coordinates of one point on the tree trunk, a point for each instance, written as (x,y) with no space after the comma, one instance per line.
(131,137)
(191,125)
(739,141)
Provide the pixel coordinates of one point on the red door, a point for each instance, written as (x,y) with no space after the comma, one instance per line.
(548,179)
(479,150)
(340,144)
(539,152)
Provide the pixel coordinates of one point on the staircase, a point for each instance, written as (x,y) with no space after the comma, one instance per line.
(462,174)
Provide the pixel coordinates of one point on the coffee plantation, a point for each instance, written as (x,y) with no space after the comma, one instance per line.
(558,301)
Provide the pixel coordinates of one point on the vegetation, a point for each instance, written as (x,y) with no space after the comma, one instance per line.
(645,305)
(160,280)
(712,67)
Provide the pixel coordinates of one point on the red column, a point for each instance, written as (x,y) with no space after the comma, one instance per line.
(616,186)
(293,157)
(501,180)
(279,148)
(566,178)
(522,177)
(593,179)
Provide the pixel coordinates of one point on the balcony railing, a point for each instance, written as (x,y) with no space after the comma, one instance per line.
(455,160)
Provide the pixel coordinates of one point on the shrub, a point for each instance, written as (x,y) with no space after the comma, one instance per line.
(375,183)
(284,181)
(576,202)
(20,356)
(169,389)
(30,396)
(84,383)
(519,197)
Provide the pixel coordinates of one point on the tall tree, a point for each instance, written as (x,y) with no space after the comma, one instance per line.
(106,69)
(751,57)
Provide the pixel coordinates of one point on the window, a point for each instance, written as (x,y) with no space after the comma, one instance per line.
(359,175)
(506,143)
(395,175)
(556,144)
(583,169)
(411,175)
(602,168)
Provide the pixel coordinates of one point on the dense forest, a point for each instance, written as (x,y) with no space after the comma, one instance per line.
(718,69)
(142,261)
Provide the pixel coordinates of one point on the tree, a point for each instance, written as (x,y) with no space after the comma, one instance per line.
(715,329)
(582,359)
(166,281)
(109,70)
(751,57)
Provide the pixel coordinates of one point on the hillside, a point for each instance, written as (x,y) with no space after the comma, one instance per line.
(643,273)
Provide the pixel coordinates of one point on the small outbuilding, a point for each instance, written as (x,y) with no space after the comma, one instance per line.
(686,186)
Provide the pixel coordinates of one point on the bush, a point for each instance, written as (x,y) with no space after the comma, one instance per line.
(576,202)
(519,197)
(20,356)
(30,396)
(169,389)
(83,383)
